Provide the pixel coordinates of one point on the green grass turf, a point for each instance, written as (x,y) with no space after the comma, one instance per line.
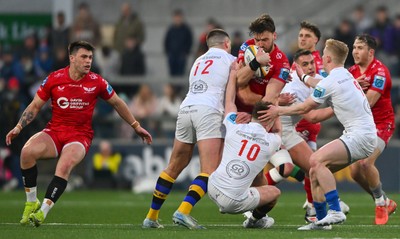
(119,214)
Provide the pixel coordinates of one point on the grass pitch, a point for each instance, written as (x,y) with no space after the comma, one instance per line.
(119,214)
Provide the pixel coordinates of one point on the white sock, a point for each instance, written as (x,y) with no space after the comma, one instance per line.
(380,201)
(46,206)
(275,175)
(31,194)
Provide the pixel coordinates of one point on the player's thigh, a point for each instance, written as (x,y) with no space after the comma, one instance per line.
(207,122)
(300,154)
(71,155)
(185,130)
(39,146)
(180,158)
(210,152)
(268,194)
(335,155)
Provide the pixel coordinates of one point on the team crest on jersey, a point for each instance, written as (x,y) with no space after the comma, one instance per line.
(93,76)
(89,90)
(284,74)
(44,81)
(379,82)
(198,87)
(232,118)
(244,46)
(237,169)
(319,92)
(109,89)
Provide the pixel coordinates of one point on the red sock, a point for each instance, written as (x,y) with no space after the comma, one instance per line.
(307,188)
(269,179)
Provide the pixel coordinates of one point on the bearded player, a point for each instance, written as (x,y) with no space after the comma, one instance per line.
(73,92)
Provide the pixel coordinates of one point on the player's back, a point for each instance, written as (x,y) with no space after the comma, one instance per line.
(247,149)
(347,99)
(208,78)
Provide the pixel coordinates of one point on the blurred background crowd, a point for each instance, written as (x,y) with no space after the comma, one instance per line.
(145,50)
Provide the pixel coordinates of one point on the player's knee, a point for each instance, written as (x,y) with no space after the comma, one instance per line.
(288,168)
(281,157)
(29,153)
(276,192)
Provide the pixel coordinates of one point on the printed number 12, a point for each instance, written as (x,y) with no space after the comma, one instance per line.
(208,63)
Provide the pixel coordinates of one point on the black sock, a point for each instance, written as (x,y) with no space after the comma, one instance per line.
(29,177)
(56,188)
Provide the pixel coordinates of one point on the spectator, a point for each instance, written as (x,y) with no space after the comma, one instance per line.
(203,48)
(106,165)
(237,41)
(361,21)
(382,30)
(132,59)
(128,25)
(143,105)
(60,58)
(60,35)
(396,25)
(168,108)
(346,33)
(11,67)
(108,60)
(177,44)
(85,27)
(29,46)
(43,62)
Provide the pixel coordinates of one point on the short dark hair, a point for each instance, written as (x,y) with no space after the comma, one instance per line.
(368,39)
(216,36)
(76,45)
(311,27)
(262,24)
(260,105)
(301,52)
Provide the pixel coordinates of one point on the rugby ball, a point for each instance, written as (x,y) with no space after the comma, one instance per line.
(249,55)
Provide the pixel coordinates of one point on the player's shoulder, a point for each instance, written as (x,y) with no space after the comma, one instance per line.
(279,56)
(353,68)
(379,68)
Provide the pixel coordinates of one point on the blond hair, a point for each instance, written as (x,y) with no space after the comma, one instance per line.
(338,49)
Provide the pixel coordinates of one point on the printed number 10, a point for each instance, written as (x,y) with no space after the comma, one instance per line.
(253,151)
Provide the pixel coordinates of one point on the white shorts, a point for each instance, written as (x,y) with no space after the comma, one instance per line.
(232,206)
(359,145)
(290,137)
(197,122)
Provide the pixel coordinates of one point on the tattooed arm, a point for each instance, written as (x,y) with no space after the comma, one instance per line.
(27,117)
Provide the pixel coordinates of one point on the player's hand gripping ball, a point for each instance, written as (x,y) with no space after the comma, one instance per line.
(249,54)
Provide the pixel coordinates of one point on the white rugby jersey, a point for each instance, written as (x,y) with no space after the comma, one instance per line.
(247,149)
(208,78)
(343,93)
(302,92)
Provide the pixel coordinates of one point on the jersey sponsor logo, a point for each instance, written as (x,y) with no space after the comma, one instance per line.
(89,90)
(44,81)
(232,118)
(379,82)
(198,87)
(284,74)
(237,169)
(64,103)
(109,89)
(319,92)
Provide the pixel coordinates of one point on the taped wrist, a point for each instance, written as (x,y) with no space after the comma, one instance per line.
(254,65)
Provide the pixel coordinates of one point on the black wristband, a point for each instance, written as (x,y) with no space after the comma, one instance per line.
(254,65)
(303,77)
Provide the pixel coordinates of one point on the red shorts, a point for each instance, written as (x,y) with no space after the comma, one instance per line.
(64,138)
(308,131)
(385,131)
